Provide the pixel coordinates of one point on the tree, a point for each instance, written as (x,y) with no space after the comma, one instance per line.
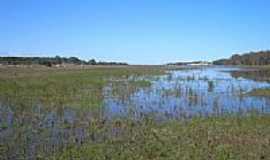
(92,62)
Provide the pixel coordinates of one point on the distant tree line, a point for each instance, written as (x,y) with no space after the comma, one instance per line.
(251,58)
(188,63)
(50,61)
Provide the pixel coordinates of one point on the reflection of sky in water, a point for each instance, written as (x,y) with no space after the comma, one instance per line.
(191,92)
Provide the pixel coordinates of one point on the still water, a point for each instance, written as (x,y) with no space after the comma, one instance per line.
(192,92)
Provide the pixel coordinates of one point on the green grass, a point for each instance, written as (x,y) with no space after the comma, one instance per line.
(141,83)
(58,87)
(229,137)
(262,92)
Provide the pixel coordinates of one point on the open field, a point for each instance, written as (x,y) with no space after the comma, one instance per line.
(131,112)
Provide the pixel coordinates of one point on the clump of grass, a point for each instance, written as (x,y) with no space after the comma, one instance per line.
(262,92)
(123,89)
(140,83)
(211,86)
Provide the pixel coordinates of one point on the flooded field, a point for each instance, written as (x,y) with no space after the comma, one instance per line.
(192,92)
(53,121)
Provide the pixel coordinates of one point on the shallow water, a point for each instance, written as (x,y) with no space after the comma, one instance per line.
(186,93)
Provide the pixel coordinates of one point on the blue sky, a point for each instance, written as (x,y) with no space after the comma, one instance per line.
(134,31)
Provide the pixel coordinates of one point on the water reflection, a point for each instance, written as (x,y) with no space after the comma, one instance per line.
(254,74)
(186,93)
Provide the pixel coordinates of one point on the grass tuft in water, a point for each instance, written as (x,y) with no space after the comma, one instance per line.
(262,92)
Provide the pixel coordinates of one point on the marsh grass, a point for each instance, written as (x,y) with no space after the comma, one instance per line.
(227,137)
(58,87)
(40,98)
(35,103)
(263,92)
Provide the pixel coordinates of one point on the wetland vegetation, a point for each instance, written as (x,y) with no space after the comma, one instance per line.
(133,112)
(134,80)
(260,92)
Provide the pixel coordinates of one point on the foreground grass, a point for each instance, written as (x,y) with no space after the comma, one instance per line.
(229,137)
